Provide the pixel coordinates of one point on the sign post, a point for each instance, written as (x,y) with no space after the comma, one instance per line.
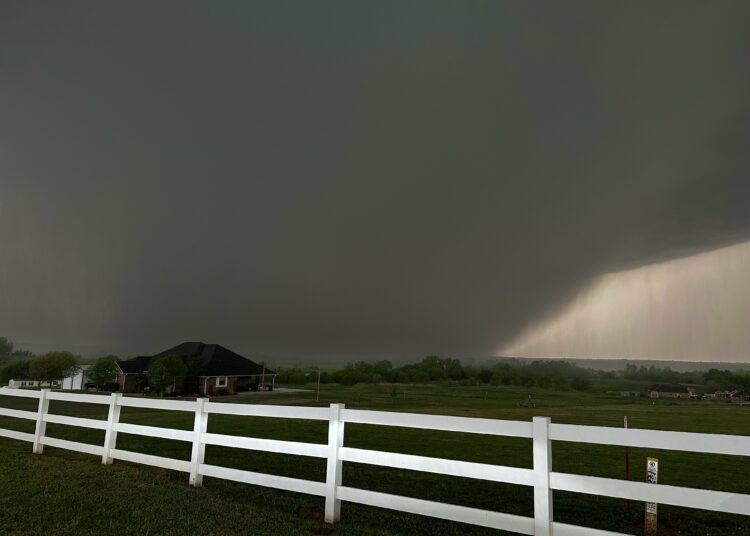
(317,394)
(627,464)
(652,474)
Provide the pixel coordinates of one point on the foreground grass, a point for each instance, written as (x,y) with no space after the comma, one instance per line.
(67,493)
(64,493)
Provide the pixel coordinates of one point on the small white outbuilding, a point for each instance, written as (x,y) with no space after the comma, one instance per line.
(75,381)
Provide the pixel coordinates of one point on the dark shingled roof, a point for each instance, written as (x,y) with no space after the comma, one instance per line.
(217,360)
(135,365)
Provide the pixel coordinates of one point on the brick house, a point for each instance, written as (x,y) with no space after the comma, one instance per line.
(213,370)
(669,390)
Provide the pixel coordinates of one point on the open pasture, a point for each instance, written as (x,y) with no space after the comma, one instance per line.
(81,495)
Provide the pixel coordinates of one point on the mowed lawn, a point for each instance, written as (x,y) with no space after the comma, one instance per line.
(62,492)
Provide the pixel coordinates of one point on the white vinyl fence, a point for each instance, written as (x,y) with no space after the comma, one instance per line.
(541,431)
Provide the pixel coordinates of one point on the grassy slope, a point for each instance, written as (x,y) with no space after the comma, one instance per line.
(152,501)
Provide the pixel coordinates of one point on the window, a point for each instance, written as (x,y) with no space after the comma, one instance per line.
(221,381)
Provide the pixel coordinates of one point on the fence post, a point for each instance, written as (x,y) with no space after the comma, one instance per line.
(110,434)
(334,467)
(542,468)
(199,447)
(41,424)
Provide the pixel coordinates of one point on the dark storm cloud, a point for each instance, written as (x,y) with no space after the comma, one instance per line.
(354,179)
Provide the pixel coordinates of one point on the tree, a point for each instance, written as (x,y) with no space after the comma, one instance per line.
(166,371)
(52,366)
(195,365)
(485,375)
(580,384)
(383,368)
(6,347)
(18,370)
(103,370)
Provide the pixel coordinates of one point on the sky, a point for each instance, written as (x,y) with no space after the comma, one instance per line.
(363,180)
(683,309)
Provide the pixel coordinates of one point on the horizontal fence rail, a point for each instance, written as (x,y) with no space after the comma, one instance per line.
(720,501)
(481,471)
(75,397)
(18,414)
(655,439)
(267,445)
(438,422)
(540,431)
(257,410)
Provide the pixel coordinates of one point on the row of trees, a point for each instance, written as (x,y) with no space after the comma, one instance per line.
(547,374)
(6,349)
(660,374)
(54,366)
(163,372)
(49,367)
(712,380)
(716,379)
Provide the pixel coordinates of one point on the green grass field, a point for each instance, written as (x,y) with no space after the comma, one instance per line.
(62,492)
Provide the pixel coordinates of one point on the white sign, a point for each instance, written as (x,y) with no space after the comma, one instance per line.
(652,475)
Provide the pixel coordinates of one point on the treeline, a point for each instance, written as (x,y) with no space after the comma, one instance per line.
(547,374)
(716,379)
(163,373)
(52,366)
(661,374)
(713,380)
(560,375)
(7,349)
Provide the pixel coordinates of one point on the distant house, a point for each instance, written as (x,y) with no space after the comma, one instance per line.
(734,395)
(75,381)
(215,369)
(17,383)
(669,390)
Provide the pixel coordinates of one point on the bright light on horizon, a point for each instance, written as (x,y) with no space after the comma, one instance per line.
(691,309)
